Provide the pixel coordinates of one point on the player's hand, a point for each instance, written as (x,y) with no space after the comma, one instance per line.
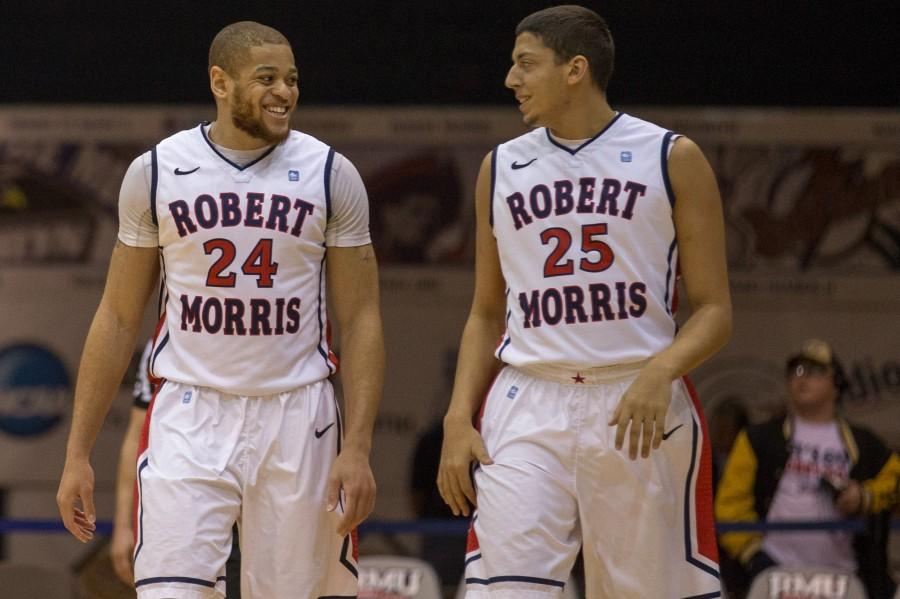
(121,549)
(77,485)
(644,408)
(352,476)
(849,501)
(462,445)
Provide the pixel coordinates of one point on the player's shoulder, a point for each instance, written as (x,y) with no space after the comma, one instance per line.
(531,141)
(629,126)
(191,136)
(300,141)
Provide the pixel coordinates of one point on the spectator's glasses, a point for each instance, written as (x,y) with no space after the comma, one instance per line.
(807,369)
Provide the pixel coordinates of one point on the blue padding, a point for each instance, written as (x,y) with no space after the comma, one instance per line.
(458,528)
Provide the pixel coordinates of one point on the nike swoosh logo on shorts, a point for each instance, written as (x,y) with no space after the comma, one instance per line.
(516,166)
(669,434)
(178,171)
(319,433)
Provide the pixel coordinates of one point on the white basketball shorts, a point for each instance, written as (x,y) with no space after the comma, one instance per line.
(210,459)
(558,485)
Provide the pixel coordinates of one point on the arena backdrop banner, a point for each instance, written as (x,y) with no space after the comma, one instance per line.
(812,209)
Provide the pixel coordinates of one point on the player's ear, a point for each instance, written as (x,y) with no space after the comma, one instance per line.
(218,82)
(577,69)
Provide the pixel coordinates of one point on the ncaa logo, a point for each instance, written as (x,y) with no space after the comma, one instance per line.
(34,389)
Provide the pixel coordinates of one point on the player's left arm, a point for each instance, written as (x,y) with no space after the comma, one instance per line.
(353,290)
(700,233)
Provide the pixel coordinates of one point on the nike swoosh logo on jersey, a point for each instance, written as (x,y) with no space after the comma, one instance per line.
(669,434)
(319,433)
(516,166)
(178,171)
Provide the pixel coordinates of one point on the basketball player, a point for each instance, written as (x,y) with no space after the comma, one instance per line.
(251,221)
(577,223)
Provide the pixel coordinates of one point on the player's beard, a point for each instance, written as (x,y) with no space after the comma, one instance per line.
(243,118)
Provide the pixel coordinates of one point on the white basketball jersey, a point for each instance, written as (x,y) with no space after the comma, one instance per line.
(587,246)
(243,251)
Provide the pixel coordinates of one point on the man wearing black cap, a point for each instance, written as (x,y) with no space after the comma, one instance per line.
(810,465)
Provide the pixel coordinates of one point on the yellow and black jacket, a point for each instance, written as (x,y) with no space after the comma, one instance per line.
(755,466)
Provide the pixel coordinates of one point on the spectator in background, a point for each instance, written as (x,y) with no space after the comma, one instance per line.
(726,421)
(444,552)
(811,465)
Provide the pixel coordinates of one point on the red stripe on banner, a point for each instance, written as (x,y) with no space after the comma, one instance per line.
(703,490)
(143,444)
(354,543)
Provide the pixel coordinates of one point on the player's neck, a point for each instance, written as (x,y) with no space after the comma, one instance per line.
(225,134)
(583,122)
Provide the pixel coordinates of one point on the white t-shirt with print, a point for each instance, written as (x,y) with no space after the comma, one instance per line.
(817,451)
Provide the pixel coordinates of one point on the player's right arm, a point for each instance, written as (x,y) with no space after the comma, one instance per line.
(107,352)
(477,365)
(133,271)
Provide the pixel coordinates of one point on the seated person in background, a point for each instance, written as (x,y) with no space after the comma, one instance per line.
(444,552)
(810,465)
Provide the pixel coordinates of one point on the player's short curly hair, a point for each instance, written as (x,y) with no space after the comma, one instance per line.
(230,45)
(571,30)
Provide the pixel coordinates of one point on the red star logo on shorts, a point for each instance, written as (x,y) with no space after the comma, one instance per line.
(578,378)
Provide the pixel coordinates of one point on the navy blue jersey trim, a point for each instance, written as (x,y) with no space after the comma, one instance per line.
(588,142)
(508,336)
(162,284)
(664,166)
(528,579)
(159,348)
(711,595)
(493,186)
(687,505)
(669,276)
(472,559)
(218,578)
(340,436)
(328,163)
(186,579)
(344,561)
(154,183)
(213,148)
(340,424)
(319,347)
(137,551)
